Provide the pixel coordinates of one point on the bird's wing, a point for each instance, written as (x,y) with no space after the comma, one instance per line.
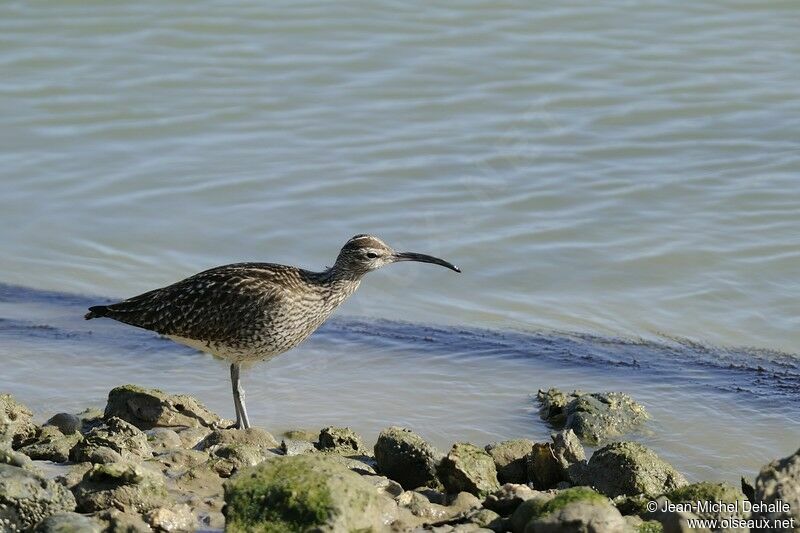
(215,305)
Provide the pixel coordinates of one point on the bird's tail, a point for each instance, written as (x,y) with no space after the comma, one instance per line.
(96,311)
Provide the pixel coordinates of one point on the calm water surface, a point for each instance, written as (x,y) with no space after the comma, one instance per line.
(626,170)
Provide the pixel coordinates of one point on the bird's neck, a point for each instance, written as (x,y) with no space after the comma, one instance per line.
(339,282)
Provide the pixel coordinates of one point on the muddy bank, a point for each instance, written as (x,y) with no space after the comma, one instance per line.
(153,461)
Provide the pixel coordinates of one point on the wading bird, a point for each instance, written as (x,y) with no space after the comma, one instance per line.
(249,312)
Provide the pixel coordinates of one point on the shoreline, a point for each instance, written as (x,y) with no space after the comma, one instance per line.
(152,461)
(476,385)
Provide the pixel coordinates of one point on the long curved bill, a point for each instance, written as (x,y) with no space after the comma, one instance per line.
(422,258)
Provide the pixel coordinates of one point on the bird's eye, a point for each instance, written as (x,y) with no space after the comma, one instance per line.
(372,255)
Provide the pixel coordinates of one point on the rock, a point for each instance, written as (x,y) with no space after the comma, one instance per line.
(149,408)
(16,422)
(510,459)
(301,434)
(125,486)
(713,492)
(168,519)
(14,458)
(68,523)
(73,475)
(527,511)
(570,509)
(297,447)
(255,437)
(507,498)
(116,521)
(301,493)
(175,462)
(468,468)
(360,464)
(227,459)
(233,449)
(384,485)
(593,417)
(636,504)
(27,498)
(779,481)
(484,518)
(407,458)
(66,423)
(162,440)
(425,511)
(552,405)
(420,506)
(124,440)
(631,468)
(50,444)
(570,456)
(192,437)
(340,440)
(204,485)
(671,521)
(579,517)
(90,419)
(544,470)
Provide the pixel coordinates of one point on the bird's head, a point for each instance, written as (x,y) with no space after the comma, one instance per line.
(364,253)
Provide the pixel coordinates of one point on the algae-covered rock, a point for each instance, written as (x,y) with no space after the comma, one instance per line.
(340,440)
(301,493)
(16,421)
(149,408)
(470,469)
(593,417)
(50,444)
(510,459)
(635,524)
(631,468)
(27,498)
(124,440)
(779,481)
(573,509)
(407,458)
(68,523)
(125,486)
(711,492)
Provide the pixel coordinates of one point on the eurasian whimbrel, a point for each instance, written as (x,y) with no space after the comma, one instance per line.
(248,312)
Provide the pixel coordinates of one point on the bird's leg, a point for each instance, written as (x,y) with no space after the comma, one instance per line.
(242,408)
(236,391)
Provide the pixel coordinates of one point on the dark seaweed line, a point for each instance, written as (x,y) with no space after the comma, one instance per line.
(762,373)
